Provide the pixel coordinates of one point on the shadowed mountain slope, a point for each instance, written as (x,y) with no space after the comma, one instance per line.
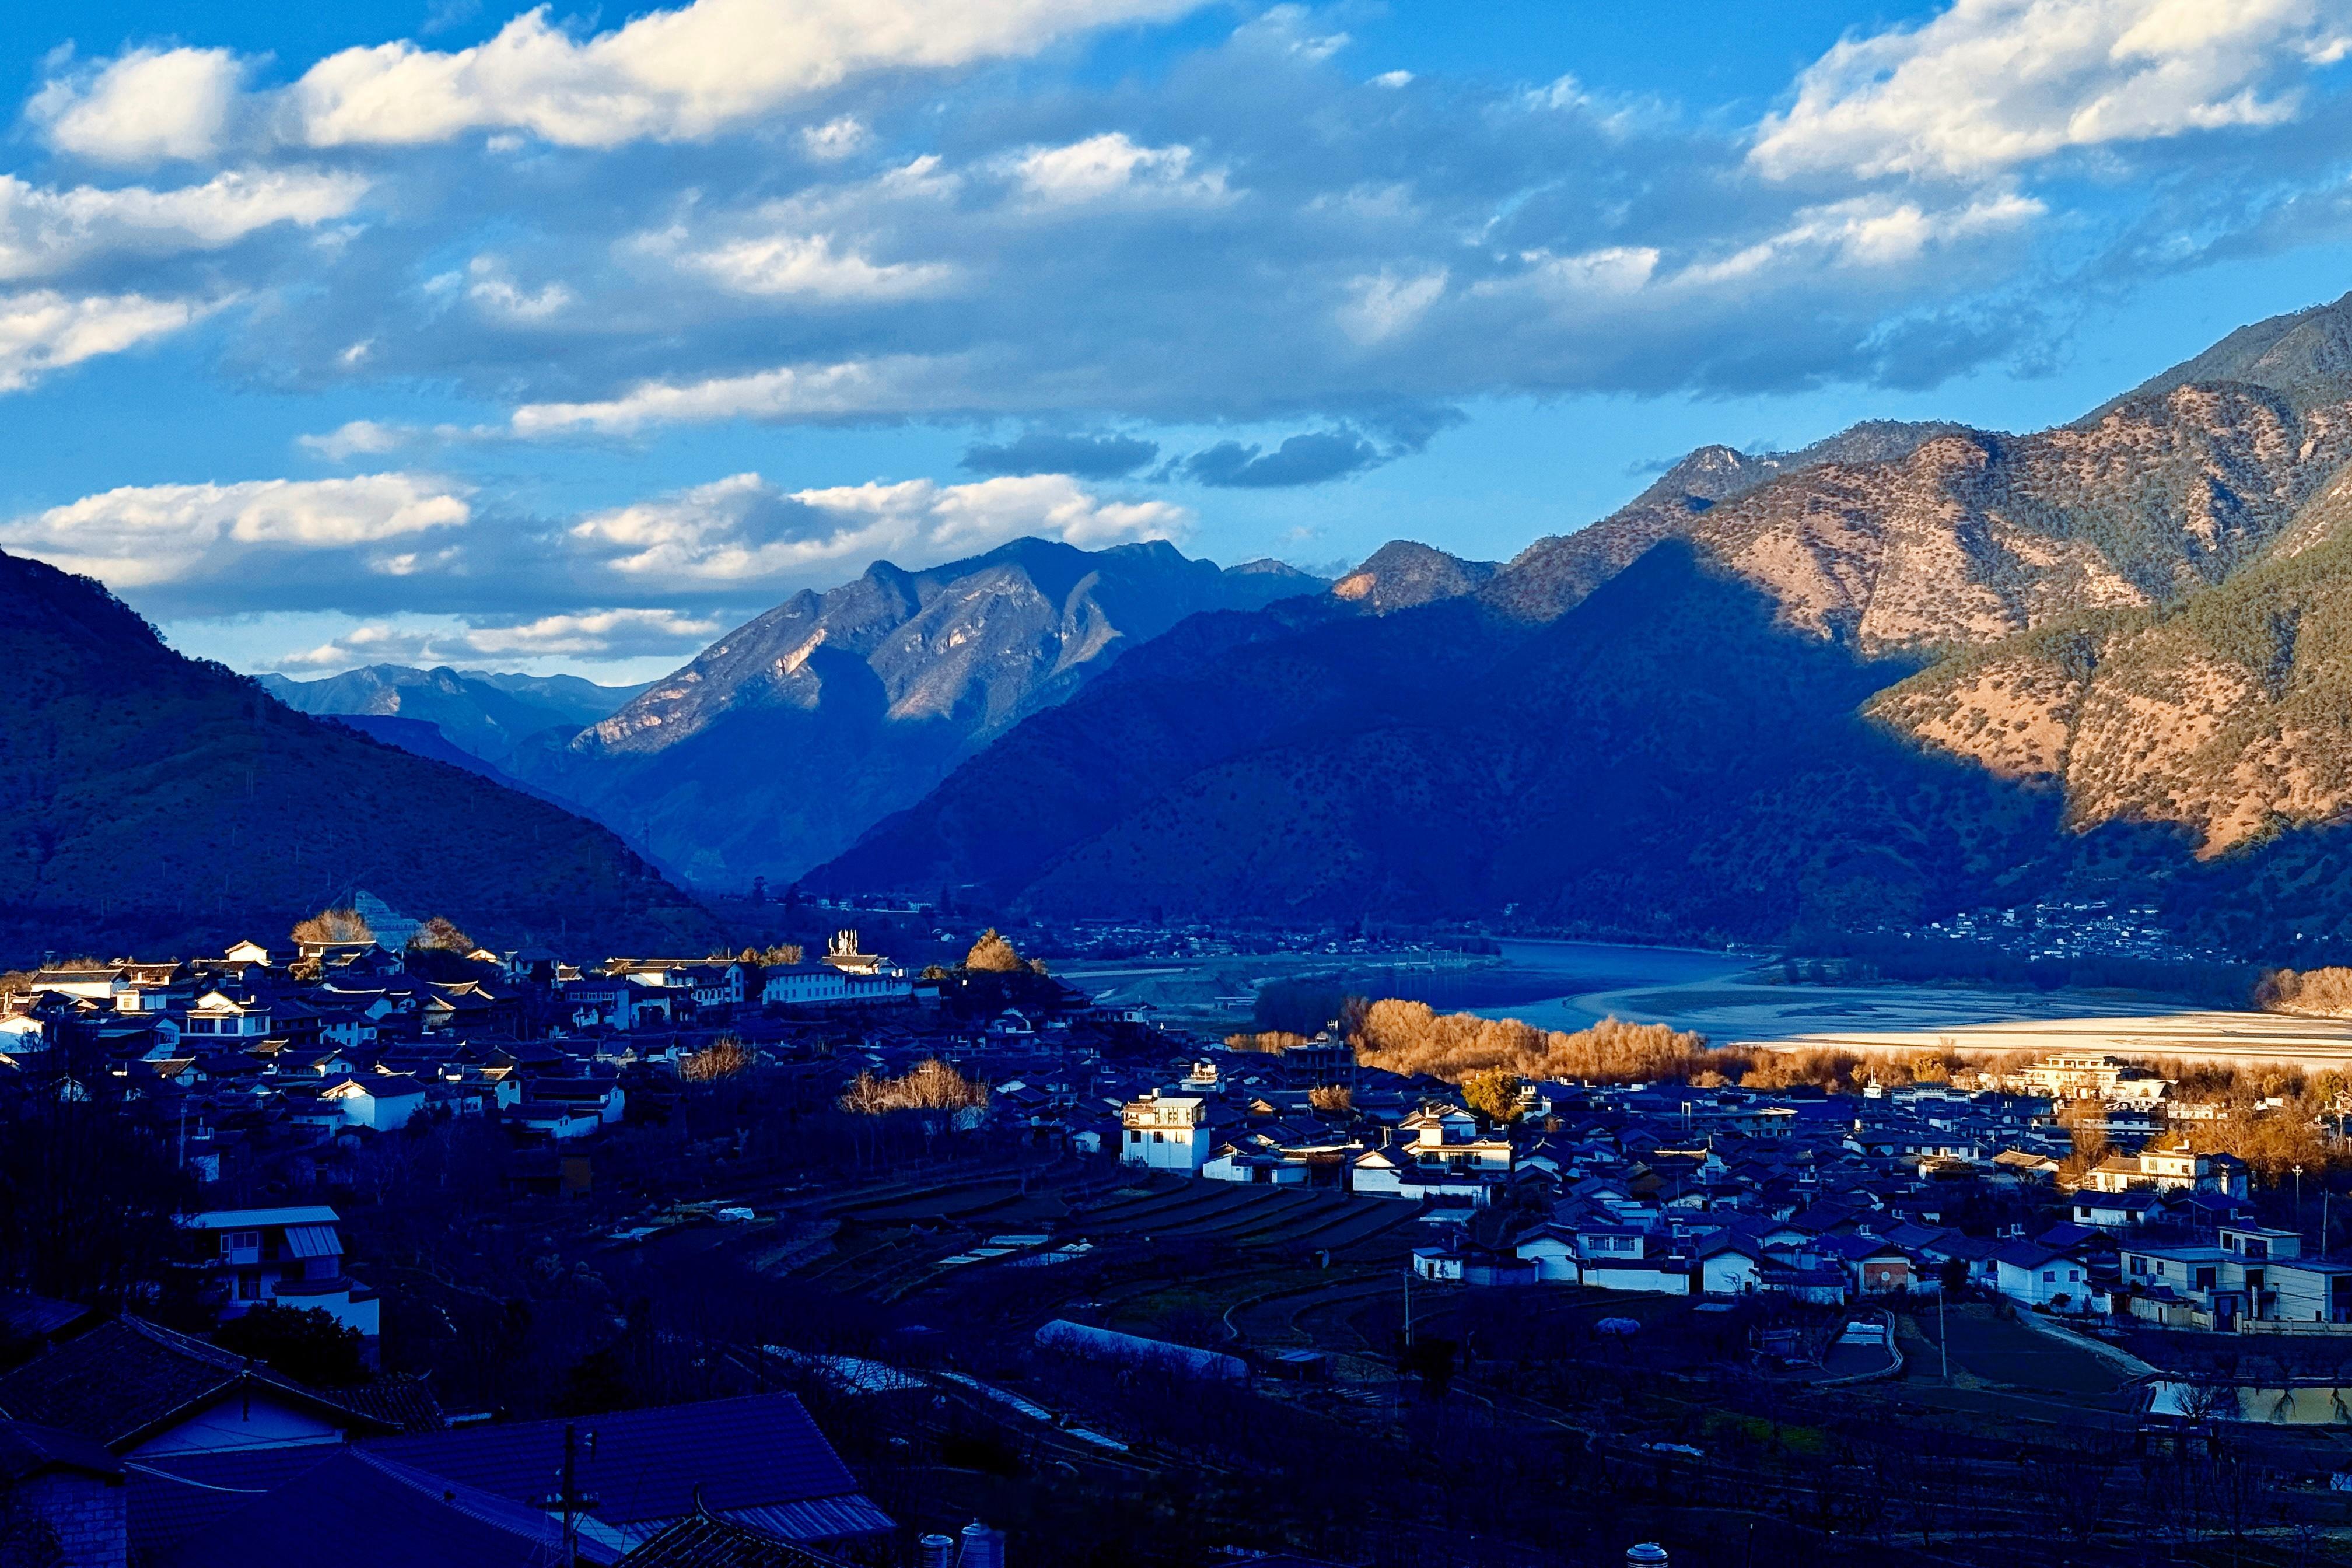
(787,738)
(1701,715)
(154,800)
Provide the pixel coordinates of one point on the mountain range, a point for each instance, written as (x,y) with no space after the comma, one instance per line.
(485,715)
(1912,668)
(158,802)
(781,742)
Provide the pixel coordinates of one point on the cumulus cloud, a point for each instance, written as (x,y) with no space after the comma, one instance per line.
(496,294)
(682,74)
(137,536)
(592,635)
(1990,84)
(805,265)
(142,107)
(43,329)
(44,230)
(853,387)
(1114,168)
(1047,452)
(745,528)
(842,136)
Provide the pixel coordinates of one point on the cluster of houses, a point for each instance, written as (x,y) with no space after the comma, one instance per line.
(1724,1192)
(277,1070)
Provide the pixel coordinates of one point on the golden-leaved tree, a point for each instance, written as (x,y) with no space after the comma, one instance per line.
(340,924)
(993,955)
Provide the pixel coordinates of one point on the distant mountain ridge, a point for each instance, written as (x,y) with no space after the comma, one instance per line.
(783,741)
(489,716)
(160,802)
(1910,669)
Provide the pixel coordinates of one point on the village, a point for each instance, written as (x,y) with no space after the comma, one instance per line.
(881,1262)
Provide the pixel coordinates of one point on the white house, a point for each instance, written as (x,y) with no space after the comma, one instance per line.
(1552,1249)
(384,1101)
(293,1257)
(1728,1267)
(830,985)
(2174,1167)
(2039,1276)
(218,1018)
(1392,1173)
(1166,1133)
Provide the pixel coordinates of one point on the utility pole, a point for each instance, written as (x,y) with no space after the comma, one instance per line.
(1943,1344)
(572,1500)
(2298,1200)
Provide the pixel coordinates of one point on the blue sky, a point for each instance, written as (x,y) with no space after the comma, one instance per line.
(443,331)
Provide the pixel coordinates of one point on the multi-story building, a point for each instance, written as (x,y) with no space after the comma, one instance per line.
(293,1256)
(1166,1133)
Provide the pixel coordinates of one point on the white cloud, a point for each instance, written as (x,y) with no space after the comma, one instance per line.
(44,230)
(745,528)
(494,293)
(142,107)
(356,439)
(43,329)
(1587,278)
(673,75)
(855,386)
(1393,79)
(1864,232)
(1381,306)
(839,137)
(1854,238)
(804,266)
(140,536)
(1113,168)
(594,635)
(1991,84)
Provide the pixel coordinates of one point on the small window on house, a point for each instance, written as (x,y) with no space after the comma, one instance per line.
(1159,1137)
(2049,1275)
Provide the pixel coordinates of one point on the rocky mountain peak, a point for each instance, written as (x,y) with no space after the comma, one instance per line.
(1402,574)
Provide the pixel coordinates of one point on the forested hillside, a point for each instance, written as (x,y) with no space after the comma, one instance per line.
(159,803)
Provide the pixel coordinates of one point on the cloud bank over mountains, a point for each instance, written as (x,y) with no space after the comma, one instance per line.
(1258,263)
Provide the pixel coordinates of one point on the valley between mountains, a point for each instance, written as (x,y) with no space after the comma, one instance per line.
(1912,668)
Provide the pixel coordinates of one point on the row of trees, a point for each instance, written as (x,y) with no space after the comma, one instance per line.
(2325,993)
(1411,1038)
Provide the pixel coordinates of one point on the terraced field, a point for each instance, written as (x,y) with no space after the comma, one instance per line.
(1255,1217)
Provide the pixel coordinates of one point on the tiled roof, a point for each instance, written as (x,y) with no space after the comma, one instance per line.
(171,1496)
(702,1540)
(27,1449)
(25,1316)
(649,1465)
(358,1509)
(126,1379)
